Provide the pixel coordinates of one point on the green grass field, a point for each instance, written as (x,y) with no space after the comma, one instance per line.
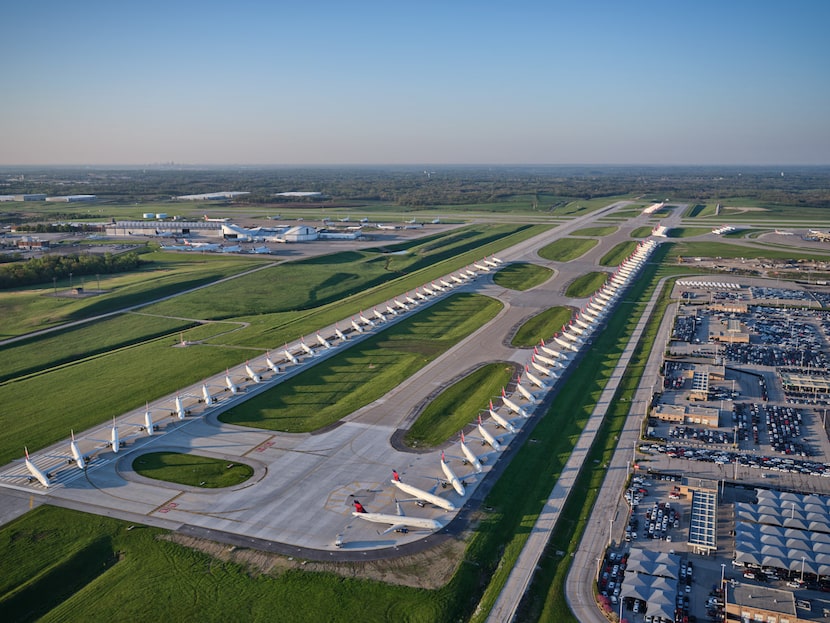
(191,469)
(641,232)
(34,308)
(522,276)
(342,384)
(541,326)
(688,232)
(586,285)
(618,254)
(567,249)
(595,231)
(458,405)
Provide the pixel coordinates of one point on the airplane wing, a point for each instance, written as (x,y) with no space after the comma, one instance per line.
(395,528)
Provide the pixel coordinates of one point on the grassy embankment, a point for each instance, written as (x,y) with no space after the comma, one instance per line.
(595,231)
(521,276)
(586,284)
(191,469)
(618,254)
(458,405)
(567,249)
(541,326)
(37,307)
(641,232)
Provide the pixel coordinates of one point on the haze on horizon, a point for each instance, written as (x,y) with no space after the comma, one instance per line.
(642,82)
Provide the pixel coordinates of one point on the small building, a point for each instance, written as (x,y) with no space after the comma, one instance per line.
(300,233)
(72,198)
(750,602)
(682,414)
(31,197)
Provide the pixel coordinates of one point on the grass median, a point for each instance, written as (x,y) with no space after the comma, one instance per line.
(336,387)
(521,276)
(192,469)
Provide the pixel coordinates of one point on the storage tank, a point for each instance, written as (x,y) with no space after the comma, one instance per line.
(149,215)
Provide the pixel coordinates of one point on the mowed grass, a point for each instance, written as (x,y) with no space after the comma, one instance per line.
(44,352)
(567,249)
(62,565)
(618,254)
(595,231)
(586,285)
(39,410)
(35,308)
(336,387)
(522,276)
(541,326)
(458,405)
(688,232)
(724,249)
(308,284)
(192,469)
(641,232)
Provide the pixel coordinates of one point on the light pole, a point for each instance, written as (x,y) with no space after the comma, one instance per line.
(610,530)
(803,558)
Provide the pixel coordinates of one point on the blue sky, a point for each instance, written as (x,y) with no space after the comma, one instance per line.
(450,82)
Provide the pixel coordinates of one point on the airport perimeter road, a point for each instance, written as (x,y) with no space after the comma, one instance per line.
(504,610)
(600,530)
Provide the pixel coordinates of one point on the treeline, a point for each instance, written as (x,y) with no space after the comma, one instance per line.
(45,269)
(426,186)
(51,228)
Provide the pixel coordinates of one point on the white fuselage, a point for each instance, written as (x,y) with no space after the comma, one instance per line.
(421,523)
(426,496)
(488,437)
(471,457)
(502,421)
(452,478)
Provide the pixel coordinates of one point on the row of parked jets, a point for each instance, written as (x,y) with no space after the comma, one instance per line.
(544,368)
(290,356)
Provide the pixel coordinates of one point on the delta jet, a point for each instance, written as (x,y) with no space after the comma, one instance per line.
(525,392)
(339,333)
(76,453)
(35,471)
(270,363)
(488,438)
(256,378)
(451,477)
(308,350)
(424,496)
(290,356)
(469,455)
(400,522)
(500,421)
(323,341)
(233,387)
(512,405)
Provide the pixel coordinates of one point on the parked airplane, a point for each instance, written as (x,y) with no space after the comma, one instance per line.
(451,477)
(470,455)
(232,249)
(35,471)
(400,522)
(203,246)
(426,496)
(76,453)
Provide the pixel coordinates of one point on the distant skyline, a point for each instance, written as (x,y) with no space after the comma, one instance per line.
(739,82)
